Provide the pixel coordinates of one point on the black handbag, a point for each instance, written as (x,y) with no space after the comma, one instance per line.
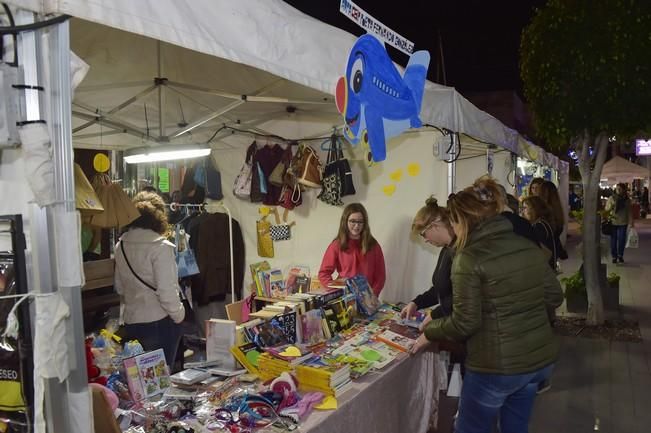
(342,169)
(189,311)
(607,228)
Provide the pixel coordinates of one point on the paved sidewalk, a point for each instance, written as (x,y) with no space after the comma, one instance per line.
(600,385)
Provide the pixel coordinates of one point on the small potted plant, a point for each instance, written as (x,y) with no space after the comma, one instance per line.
(611,293)
(576,296)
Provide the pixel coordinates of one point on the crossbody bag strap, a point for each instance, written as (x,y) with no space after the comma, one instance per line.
(550,233)
(124,254)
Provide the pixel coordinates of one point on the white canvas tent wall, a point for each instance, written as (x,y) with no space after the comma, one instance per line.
(265,40)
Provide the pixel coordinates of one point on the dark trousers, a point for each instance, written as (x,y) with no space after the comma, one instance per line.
(618,241)
(162,334)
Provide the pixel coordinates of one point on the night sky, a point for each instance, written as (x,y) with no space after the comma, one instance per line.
(480,38)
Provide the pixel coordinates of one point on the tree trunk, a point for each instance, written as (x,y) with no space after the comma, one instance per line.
(591,252)
(590,166)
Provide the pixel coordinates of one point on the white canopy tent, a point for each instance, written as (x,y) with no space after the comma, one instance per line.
(173,71)
(618,169)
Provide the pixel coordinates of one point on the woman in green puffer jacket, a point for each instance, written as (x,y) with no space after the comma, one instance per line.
(502,286)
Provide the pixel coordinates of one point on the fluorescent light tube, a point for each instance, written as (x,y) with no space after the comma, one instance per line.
(154,154)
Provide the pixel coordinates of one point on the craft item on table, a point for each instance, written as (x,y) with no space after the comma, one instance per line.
(304,406)
(328,403)
(147,374)
(377,103)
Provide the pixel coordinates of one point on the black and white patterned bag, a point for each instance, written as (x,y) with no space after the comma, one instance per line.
(281,232)
(331,192)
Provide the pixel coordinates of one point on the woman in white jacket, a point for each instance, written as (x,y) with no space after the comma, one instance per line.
(146,280)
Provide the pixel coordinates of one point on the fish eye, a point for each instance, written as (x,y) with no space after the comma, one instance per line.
(357,74)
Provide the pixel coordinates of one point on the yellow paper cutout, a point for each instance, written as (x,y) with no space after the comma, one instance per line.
(396,175)
(264,210)
(328,403)
(291,351)
(389,189)
(101,163)
(413,169)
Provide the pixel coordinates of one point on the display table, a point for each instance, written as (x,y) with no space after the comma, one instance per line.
(399,398)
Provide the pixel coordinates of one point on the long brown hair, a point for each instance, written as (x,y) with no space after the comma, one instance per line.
(428,214)
(549,193)
(538,207)
(467,210)
(535,181)
(367,240)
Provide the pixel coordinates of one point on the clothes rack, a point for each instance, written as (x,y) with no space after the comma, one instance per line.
(202,207)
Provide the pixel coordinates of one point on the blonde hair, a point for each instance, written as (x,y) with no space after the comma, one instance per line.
(467,211)
(428,214)
(366,239)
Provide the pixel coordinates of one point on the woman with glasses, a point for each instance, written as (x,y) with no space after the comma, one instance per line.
(433,226)
(354,251)
(501,287)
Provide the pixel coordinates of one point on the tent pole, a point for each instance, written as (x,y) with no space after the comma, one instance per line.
(452,164)
(65,217)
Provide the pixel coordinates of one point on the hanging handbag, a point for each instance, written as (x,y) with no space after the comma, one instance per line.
(242,185)
(331,192)
(281,232)
(290,196)
(265,243)
(186,262)
(307,167)
(189,311)
(277,176)
(207,177)
(342,167)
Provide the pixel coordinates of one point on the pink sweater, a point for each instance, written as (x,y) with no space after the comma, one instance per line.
(352,262)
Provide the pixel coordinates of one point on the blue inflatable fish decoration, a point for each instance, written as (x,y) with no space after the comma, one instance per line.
(377,103)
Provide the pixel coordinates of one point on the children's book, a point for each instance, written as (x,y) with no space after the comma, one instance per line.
(255,269)
(147,374)
(294,354)
(247,355)
(277,284)
(312,327)
(288,324)
(396,340)
(367,302)
(220,336)
(295,271)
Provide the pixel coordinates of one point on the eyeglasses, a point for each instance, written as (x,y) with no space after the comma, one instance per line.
(356,222)
(424,231)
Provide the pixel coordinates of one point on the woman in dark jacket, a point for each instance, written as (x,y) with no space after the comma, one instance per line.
(502,286)
(432,224)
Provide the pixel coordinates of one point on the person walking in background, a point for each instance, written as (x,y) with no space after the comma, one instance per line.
(432,224)
(354,251)
(146,280)
(621,217)
(502,287)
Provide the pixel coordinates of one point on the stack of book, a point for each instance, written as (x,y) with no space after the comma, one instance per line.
(331,379)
